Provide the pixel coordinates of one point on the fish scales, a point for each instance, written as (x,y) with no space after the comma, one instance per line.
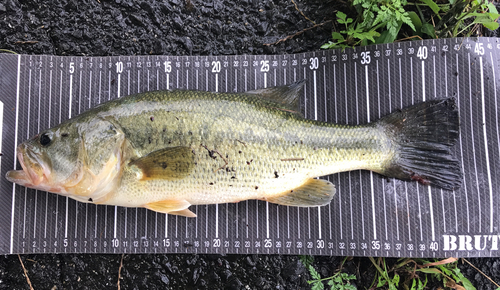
(255,141)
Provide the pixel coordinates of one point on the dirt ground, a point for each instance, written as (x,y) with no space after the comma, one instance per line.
(175,27)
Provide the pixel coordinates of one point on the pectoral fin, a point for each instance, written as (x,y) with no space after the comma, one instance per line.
(314,192)
(171,206)
(169,163)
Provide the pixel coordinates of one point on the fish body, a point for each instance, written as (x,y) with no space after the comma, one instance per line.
(167,150)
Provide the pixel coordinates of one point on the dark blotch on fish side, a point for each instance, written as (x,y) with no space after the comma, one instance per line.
(152,118)
(90,200)
(64,135)
(276,174)
(163,165)
(256,187)
(211,183)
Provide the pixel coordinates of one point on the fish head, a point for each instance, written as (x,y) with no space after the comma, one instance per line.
(82,160)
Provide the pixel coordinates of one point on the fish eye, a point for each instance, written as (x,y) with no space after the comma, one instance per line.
(44,139)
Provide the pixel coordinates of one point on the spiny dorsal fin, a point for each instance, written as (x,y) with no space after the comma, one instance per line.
(314,192)
(168,163)
(287,97)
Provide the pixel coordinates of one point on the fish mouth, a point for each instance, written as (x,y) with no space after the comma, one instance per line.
(35,171)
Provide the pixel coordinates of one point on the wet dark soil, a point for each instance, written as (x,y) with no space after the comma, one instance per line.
(176,27)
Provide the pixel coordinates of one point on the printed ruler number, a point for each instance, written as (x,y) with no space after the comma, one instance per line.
(119,67)
(314,63)
(264,65)
(422,52)
(71,67)
(479,49)
(216,66)
(168,66)
(365,57)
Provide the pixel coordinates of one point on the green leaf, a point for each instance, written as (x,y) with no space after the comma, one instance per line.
(406,19)
(492,8)
(307,260)
(430,271)
(395,280)
(318,286)
(482,19)
(415,20)
(420,286)
(429,30)
(385,37)
(493,16)
(338,36)
(491,25)
(328,45)
(314,273)
(461,278)
(432,5)
(381,281)
(341,15)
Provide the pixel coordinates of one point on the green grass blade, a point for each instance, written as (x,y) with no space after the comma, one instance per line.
(435,8)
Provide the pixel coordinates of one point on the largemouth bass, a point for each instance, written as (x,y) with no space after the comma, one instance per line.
(167,150)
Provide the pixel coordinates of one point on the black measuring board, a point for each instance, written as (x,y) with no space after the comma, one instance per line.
(369,216)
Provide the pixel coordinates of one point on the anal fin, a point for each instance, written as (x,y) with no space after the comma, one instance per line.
(314,192)
(185,212)
(171,206)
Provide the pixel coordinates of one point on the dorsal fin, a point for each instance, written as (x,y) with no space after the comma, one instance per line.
(286,97)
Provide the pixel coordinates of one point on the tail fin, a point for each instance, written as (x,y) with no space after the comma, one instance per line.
(423,135)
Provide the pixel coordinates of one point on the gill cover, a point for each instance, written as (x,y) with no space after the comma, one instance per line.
(101,156)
